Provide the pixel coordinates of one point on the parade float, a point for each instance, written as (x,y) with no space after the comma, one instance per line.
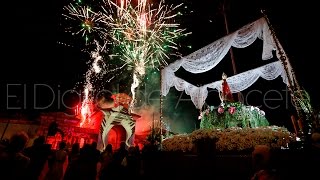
(232,125)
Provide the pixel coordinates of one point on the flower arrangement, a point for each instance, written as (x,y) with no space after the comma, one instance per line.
(232,139)
(232,114)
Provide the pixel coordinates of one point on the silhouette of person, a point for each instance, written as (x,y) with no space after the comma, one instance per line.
(38,154)
(13,163)
(56,171)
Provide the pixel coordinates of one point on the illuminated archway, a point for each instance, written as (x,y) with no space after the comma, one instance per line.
(116,135)
(116,117)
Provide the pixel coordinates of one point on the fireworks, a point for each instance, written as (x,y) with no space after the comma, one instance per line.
(143,35)
(92,72)
(139,36)
(87,18)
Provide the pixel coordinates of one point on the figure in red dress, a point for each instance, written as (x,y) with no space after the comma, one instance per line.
(225,94)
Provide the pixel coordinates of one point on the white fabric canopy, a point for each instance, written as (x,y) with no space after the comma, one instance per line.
(209,56)
(237,83)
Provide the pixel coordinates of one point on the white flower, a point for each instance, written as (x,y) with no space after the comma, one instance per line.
(262,113)
(232,138)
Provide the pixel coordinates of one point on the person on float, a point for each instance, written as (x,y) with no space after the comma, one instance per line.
(225,93)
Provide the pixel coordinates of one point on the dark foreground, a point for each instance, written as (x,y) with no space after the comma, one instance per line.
(289,164)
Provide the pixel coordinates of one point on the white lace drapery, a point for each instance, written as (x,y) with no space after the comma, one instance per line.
(209,56)
(237,82)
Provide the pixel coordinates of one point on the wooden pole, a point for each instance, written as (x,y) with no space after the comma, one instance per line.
(294,123)
(285,62)
(293,86)
(5,129)
(230,50)
(227,31)
(161,105)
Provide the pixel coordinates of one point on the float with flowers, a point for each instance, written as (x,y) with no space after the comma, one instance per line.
(232,114)
(230,127)
(234,126)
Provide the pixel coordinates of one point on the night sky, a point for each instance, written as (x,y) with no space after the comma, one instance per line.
(31,56)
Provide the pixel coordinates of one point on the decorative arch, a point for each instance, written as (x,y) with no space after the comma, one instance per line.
(112,117)
(115,136)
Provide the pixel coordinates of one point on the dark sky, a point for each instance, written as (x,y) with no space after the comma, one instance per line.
(31,56)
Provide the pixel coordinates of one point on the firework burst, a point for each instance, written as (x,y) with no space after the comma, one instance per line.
(143,35)
(87,21)
(140,36)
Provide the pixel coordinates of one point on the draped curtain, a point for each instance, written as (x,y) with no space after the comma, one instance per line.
(209,56)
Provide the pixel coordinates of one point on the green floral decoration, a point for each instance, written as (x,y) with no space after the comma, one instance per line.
(232,114)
